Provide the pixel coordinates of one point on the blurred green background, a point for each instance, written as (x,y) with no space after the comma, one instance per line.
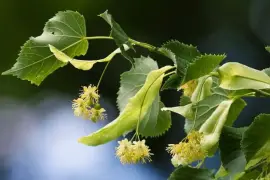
(241,29)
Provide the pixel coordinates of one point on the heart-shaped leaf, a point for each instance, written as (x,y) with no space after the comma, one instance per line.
(66,31)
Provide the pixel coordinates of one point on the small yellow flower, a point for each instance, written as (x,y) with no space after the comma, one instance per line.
(131,153)
(189,87)
(87,105)
(187,151)
(124,152)
(90,92)
(97,114)
(141,152)
(78,106)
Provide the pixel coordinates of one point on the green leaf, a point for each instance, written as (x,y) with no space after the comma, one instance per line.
(82,64)
(156,122)
(133,113)
(203,110)
(251,175)
(232,157)
(221,173)
(118,34)
(182,54)
(173,82)
(236,76)
(190,63)
(256,140)
(133,80)
(202,66)
(66,31)
(188,173)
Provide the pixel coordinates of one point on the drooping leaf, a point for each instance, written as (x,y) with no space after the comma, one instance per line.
(232,157)
(134,111)
(256,140)
(189,173)
(118,34)
(236,76)
(133,80)
(155,122)
(66,31)
(82,64)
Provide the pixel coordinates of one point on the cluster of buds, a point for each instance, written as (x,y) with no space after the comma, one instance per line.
(188,150)
(133,152)
(87,105)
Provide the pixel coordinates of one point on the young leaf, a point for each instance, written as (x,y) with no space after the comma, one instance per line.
(190,63)
(133,80)
(66,31)
(202,66)
(236,76)
(118,34)
(256,140)
(189,173)
(232,157)
(82,64)
(182,55)
(133,113)
(155,122)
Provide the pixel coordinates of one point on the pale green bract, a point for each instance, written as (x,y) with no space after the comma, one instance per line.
(83,64)
(236,76)
(66,31)
(134,111)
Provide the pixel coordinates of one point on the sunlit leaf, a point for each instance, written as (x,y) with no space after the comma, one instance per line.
(135,110)
(236,76)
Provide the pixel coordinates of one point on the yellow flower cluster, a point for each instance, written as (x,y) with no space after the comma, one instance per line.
(87,105)
(133,152)
(189,87)
(188,150)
